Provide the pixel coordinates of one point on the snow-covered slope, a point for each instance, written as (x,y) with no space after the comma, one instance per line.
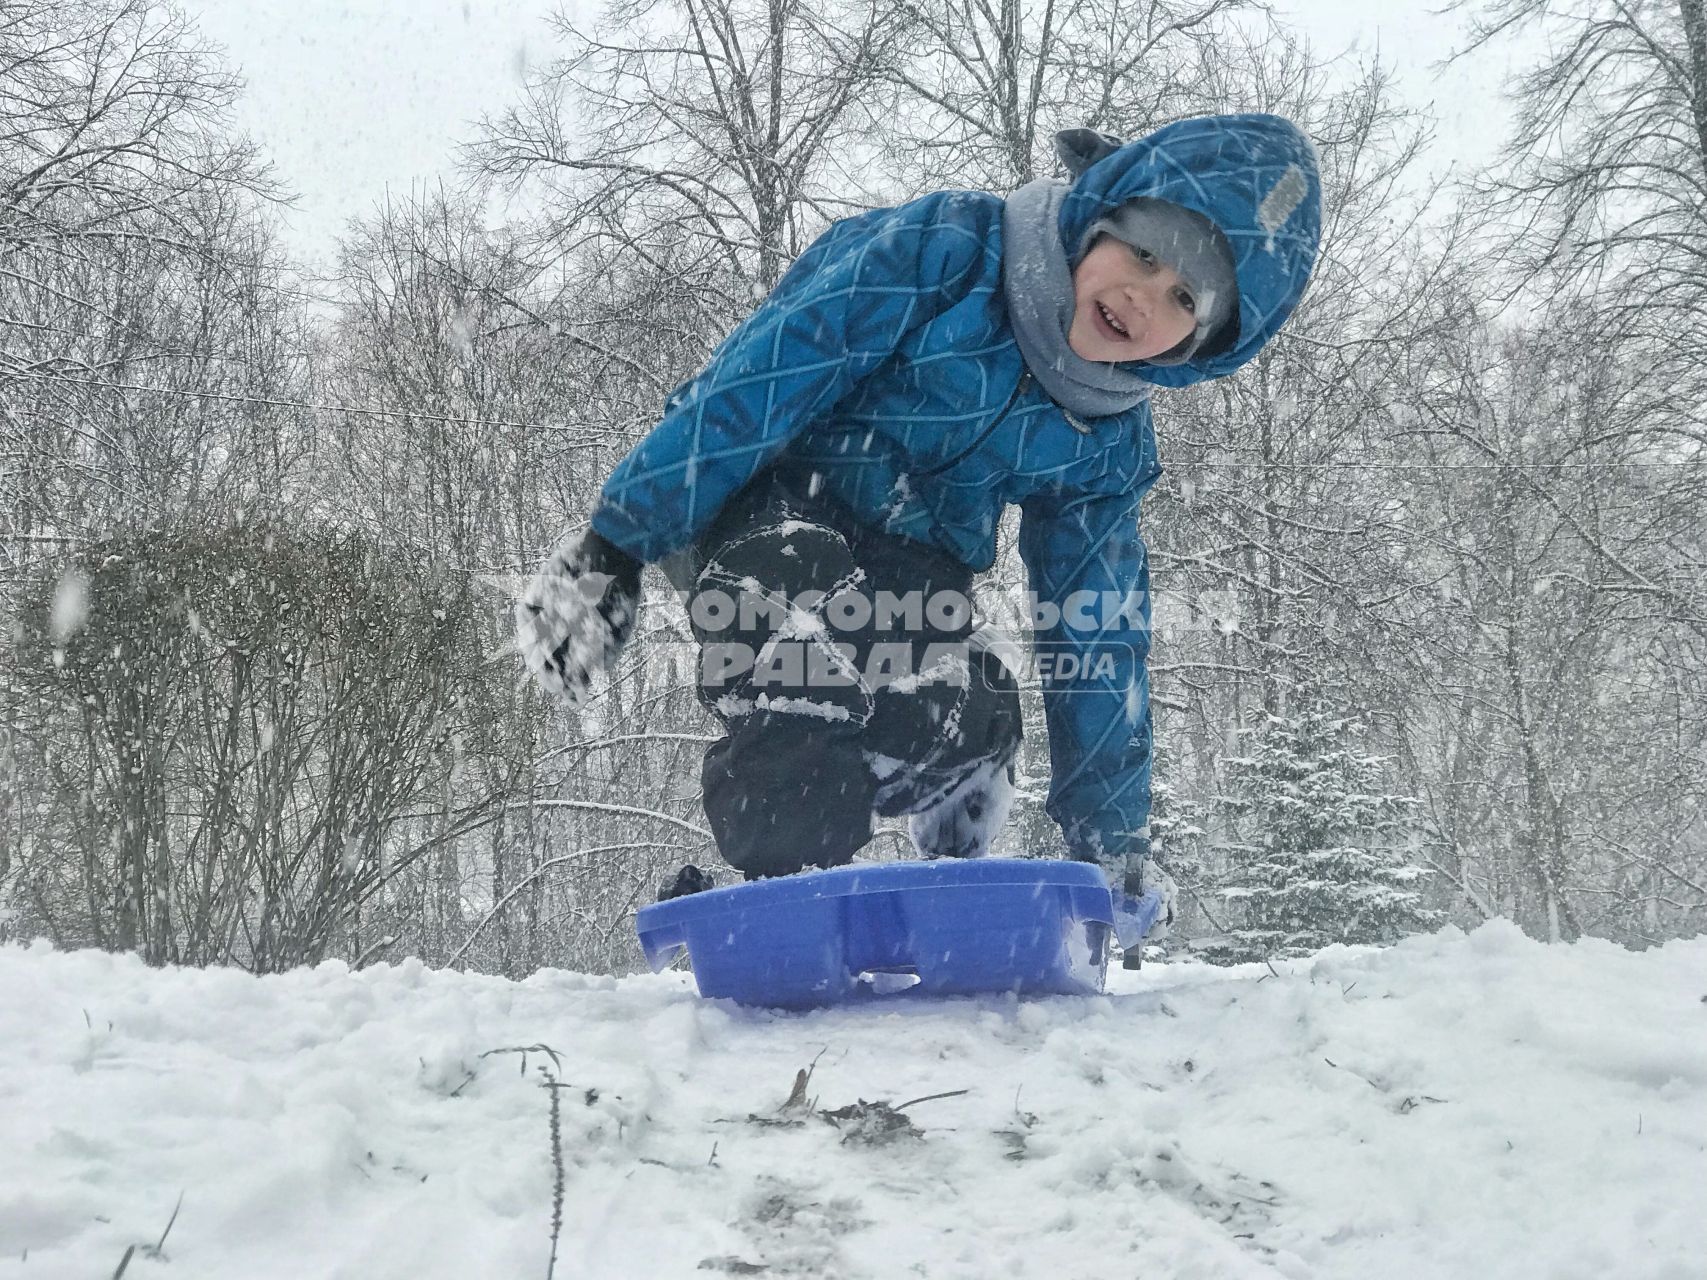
(1457,1106)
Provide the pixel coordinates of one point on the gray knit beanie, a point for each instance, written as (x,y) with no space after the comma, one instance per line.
(1195,248)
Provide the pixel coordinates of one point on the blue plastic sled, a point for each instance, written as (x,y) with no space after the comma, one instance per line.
(919,928)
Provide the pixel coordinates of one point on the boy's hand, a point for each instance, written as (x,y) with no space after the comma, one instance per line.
(577,613)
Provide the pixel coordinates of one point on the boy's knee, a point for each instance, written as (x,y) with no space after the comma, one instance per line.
(794,554)
(767,614)
(754,584)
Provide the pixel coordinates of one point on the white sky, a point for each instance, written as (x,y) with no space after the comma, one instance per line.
(350,97)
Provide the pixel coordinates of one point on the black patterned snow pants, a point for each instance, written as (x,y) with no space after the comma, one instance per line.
(836,710)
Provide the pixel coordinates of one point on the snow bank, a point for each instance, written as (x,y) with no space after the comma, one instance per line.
(1455,1106)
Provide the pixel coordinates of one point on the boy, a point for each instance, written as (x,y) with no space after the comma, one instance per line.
(827,486)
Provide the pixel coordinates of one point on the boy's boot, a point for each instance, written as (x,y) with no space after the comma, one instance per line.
(1130,879)
(947,754)
(690,879)
(963,822)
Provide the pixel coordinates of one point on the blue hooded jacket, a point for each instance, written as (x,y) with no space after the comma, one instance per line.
(883,366)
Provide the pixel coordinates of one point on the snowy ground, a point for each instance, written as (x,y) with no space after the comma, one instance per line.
(1457,1106)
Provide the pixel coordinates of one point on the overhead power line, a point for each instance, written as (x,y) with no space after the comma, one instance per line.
(1178,469)
(277,403)
(1333,464)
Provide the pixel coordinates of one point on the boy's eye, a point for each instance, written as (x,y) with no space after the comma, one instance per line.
(1186,301)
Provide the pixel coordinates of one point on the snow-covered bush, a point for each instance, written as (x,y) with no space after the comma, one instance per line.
(229,726)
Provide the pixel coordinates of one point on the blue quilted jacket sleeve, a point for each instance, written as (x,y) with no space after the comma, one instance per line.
(1086,560)
(837,314)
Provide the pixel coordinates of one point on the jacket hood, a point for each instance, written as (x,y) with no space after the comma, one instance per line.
(1255,177)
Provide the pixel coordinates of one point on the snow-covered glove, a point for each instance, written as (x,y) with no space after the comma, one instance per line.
(1144,897)
(577,613)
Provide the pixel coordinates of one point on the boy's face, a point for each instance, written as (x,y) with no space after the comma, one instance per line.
(1127,305)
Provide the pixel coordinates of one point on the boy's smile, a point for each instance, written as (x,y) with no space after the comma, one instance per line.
(1127,305)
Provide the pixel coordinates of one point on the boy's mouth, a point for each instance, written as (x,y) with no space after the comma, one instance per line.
(1120,330)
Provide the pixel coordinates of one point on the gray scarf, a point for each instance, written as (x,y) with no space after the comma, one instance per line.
(1039,286)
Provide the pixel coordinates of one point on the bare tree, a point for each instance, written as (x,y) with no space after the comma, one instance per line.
(1604,179)
(717,128)
(106,109)
(504,419)
(1556,801)
(987,85)
(131,254)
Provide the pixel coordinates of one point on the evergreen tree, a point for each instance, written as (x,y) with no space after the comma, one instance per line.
(1324,861)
